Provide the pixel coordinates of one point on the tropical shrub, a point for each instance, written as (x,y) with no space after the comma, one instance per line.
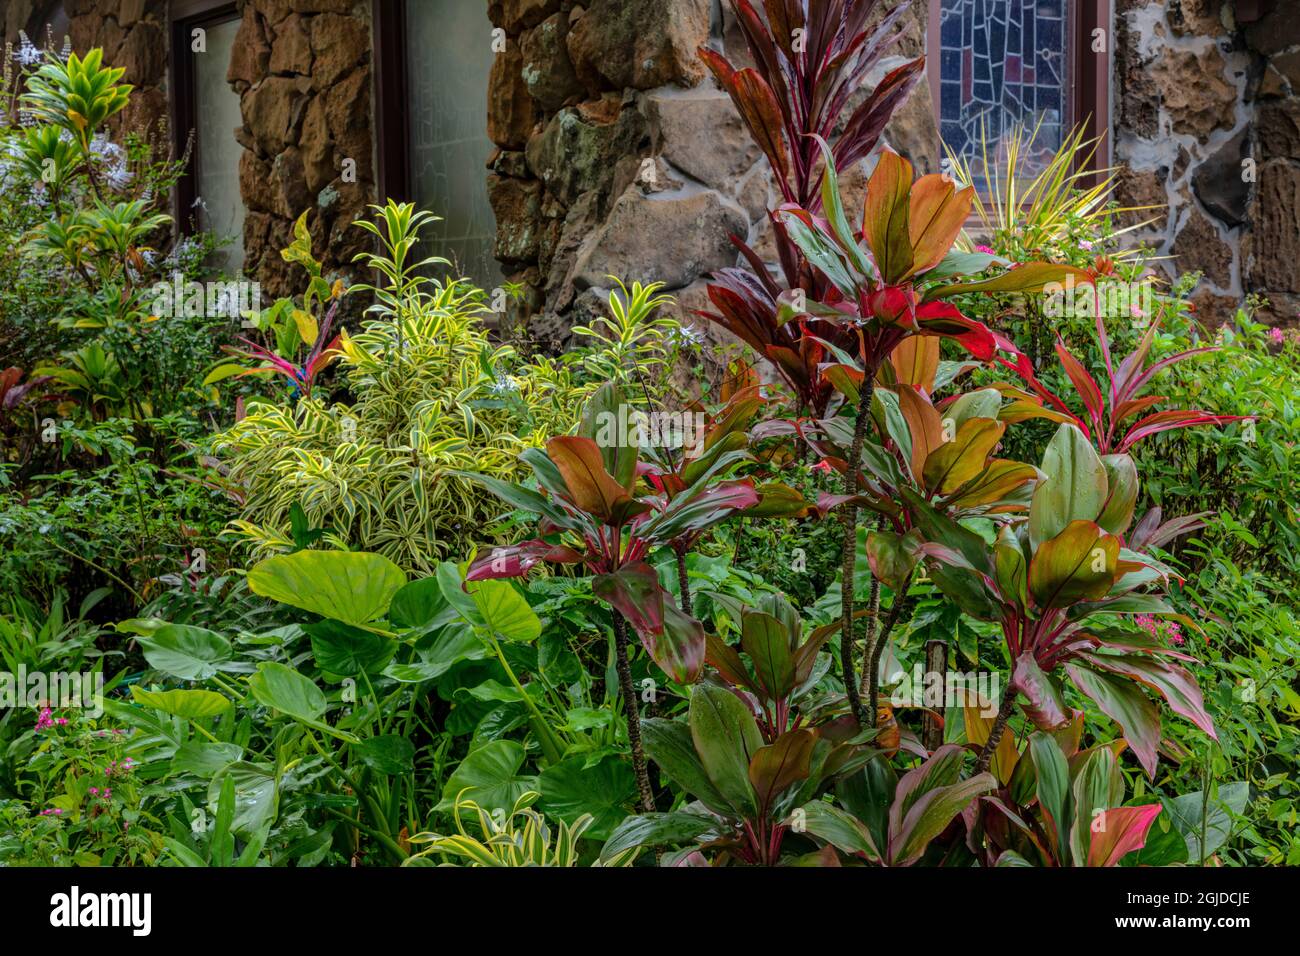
(427,395)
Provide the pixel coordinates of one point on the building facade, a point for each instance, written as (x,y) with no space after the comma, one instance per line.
(563,141)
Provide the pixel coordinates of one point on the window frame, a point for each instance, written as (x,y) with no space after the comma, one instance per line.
(1088,87)
(392,113)
(185,15)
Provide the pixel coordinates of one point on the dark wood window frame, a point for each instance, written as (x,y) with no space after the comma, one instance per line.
(1088,75)
(392,110)
(186,17)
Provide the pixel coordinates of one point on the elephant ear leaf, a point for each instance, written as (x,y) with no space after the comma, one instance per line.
(354,587)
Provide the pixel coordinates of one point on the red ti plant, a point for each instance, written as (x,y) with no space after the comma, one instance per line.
(889,284)
(777,666)
(302,378)
(717,449)
(746,787)
(810,57)
(1106,411)
(1050,581)
(945,454)
(1059,806)
(590,506)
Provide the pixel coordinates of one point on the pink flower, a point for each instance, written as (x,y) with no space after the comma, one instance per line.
(987,250)
(1277,335)
(822,465)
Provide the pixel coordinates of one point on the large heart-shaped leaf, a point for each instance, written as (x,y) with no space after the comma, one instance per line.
(190,704)
(605,790)
(187,652)
(505,612)
(388,754)
(284,689)
(354,587)
(256,796)
(347,651)
(489,777)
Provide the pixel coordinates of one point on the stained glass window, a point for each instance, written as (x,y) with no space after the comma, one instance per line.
(1002,63)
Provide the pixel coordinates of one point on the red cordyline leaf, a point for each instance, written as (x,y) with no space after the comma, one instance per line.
(787,99)
(516,560)
(1119,831)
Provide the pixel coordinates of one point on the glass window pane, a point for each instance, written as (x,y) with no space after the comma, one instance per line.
(1002,63)
(217,150)
(449,56)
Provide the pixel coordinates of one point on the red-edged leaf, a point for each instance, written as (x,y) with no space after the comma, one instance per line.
(1043,703)
(515,560)
(1118,831)
(1087,387)
(1124,703)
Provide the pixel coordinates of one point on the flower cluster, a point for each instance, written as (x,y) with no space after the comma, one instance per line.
(116,769)
(46,719)
(1157,628)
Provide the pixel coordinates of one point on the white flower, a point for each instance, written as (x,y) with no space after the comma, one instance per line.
(27,54)
(119,177)
(685,335)
(504,385)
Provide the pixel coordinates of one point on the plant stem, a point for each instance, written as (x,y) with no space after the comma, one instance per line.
(879,644)
(683,582)
(999,726)
(867,686)
(630,710)
(849,551)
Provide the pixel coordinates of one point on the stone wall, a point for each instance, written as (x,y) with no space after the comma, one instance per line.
(303,72)
(619,156)
(1207,122)
(133,35)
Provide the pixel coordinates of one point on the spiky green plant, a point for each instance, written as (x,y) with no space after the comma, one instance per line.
(524,838)
(1036,208)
